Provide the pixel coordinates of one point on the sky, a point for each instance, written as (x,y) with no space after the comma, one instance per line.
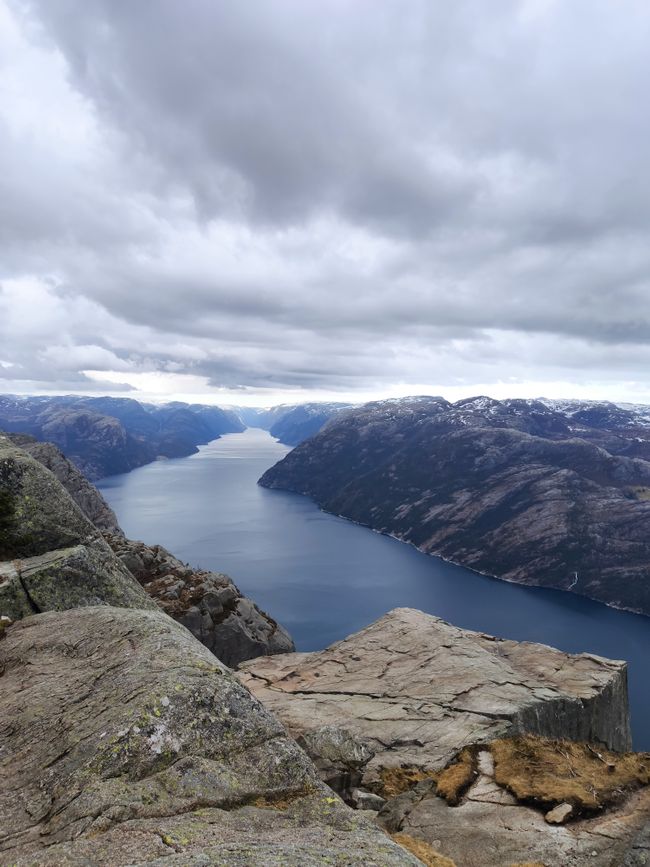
(287,200)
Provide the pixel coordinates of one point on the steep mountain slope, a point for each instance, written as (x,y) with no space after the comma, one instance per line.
(108,435)
(291,424)
(303,421)
(508,488)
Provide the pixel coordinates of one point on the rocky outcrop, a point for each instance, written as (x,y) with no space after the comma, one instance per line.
(85,495)
(207,603)
(431,708)
(124,741)
(497,821)
(67,578)
(51,556)
(513,489)
(416,690)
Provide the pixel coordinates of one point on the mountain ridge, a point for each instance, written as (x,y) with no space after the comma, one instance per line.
(508,488)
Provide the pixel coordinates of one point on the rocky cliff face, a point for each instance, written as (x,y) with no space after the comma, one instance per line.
(53,557)
(514,489)
(417,690)
(85,495)
(208,603)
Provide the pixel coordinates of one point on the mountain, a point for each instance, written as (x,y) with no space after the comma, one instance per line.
(552,496)
(303,421)
(291,424)
(103,436)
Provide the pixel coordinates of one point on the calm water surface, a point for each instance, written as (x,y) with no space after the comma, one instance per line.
(323,577)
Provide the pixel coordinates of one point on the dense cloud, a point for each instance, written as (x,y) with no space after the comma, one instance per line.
(295,194)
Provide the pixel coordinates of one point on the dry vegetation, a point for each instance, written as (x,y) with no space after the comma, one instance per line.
(548,772)
(394,781)
(423,851)
(456,778)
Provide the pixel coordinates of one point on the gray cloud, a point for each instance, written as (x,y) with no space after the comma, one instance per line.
(335,196)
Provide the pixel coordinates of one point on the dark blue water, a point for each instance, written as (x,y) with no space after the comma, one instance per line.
(324,577)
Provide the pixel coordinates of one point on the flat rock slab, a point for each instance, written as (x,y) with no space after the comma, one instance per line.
(418,689)
(124,741)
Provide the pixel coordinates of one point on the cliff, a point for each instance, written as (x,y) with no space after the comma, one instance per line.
(464,742)
(123,739)
(513,489)
(53,556)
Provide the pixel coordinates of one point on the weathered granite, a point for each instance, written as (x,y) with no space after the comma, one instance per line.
(67,578)
(85,495)
(124,741)
(38,515)
(339,758)
(209,604)
(490,828)
(417,689)
(51,555)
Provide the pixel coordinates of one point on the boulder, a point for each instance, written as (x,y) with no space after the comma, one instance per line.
(124,741)
(36,513)
(67,578)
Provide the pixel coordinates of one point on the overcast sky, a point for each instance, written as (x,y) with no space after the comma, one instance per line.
(278,200)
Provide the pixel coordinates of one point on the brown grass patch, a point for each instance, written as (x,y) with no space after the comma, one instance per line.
(451,782)
(547,772)
(423,851)
(454,780)
(394,781)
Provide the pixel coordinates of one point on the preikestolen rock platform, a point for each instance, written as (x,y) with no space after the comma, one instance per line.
(418,693)
(418,690)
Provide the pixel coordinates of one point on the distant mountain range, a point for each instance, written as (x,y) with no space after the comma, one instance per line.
(108,435)
(291,424)
(104,436)
(549,493)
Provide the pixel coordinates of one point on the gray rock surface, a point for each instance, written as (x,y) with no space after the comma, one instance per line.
(491,829)
(51,555)
(208,603)
(339,758)
(85,495)
(123,741)
(68,578)
(417,689)
(39,515)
